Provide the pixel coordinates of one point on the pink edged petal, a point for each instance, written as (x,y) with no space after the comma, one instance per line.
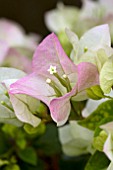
(11,32)
(50,52)
(60,107)
(14,35)
(33,85)
(3,51)
(87,76)
(31,41)
(14,57)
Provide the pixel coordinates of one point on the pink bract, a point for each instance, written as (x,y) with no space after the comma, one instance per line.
(80,77)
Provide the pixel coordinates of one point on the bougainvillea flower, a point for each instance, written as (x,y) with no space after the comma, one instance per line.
(100,12)
(13,58)
(108,145)
(87,47)
(14,35)
(16,109)
(65,16)
(55,79)
(61,17)
(3,51)
(16,46)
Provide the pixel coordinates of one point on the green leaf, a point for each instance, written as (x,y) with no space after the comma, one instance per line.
(4,146)
(25,166)
(12,167)
(49,141)
(9,130)
(104,110)
(98,161)
(101,135)
(28,155)
(106,76)
(103,121)
(16,134)
(73,163)
(42,111)
(99,140)
(39,130)
(21,142)
(95,92)
(3,162)
(65,42)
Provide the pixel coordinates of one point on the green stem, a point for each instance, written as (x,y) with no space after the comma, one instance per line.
(108,97)
(6,94)
(65,82)
(76,115)
(7,106)
(57,91)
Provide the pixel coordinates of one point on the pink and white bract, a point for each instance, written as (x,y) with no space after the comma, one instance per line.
(55,78)
(16,47)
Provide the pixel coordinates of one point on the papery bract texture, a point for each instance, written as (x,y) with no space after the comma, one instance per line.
(61,17)
(75,139)
(19,108)
(56,87)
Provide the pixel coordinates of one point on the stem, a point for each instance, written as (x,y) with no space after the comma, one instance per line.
(65,82)
(108,97)
(7,106)
(76,115)
(6,94)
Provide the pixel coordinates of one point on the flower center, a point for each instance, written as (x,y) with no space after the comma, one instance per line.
(52,69)
(64,80)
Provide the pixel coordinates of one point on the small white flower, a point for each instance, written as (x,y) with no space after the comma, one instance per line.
(52,69)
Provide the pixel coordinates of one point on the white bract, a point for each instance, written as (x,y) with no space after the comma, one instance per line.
(108,146)
(17,109)
(75,139)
